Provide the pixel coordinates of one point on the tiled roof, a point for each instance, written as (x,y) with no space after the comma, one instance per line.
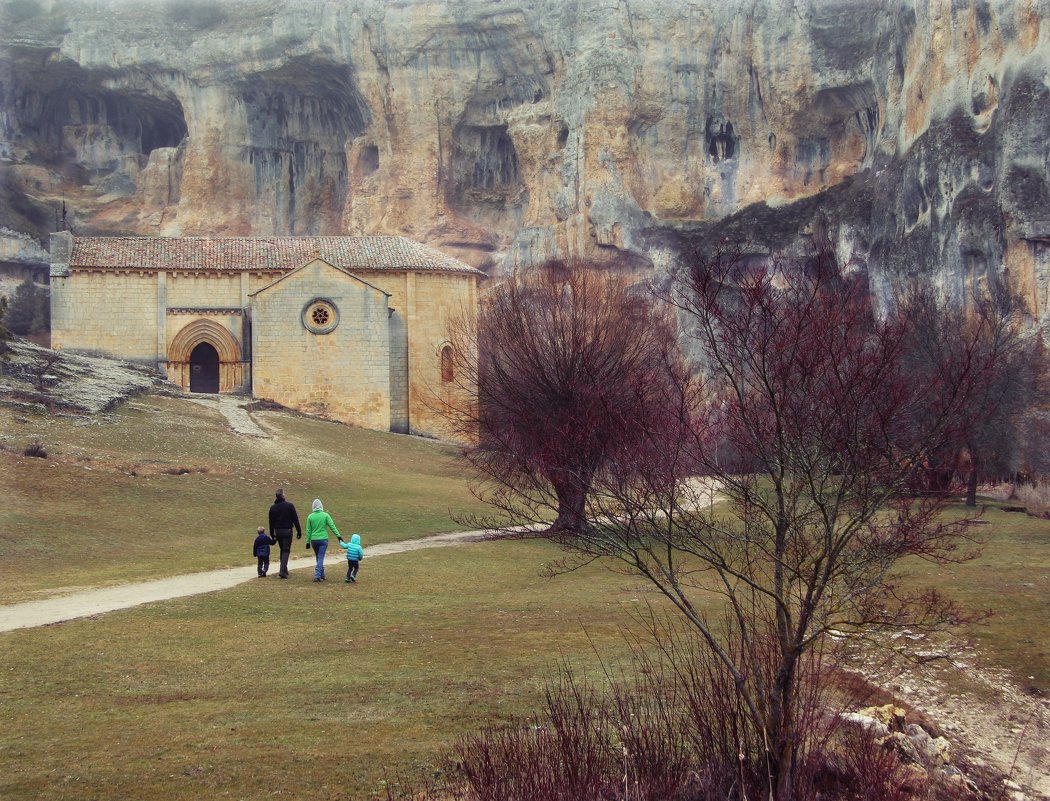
(260,253)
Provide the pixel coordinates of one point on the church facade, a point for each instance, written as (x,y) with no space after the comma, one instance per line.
(349,328)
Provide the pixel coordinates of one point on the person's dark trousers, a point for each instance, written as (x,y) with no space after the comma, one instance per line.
(351,569)
(284,541)
(264,565)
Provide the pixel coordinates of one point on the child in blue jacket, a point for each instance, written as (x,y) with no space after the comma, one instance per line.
(261,550)
(354,554)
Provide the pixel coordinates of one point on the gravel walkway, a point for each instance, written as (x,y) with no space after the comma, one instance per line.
(97,602)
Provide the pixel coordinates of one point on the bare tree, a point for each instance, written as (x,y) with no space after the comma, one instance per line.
(562,380)
(989,331)
(807,417)
(804,414)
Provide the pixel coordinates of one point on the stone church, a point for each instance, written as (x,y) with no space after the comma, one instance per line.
(350,328)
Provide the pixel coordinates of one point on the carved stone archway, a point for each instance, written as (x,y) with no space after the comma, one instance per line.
(200,331)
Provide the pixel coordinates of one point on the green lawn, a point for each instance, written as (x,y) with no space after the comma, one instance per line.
(1011,578)
(81,518)
(297,690)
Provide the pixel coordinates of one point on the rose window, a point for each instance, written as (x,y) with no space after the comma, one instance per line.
(320,316)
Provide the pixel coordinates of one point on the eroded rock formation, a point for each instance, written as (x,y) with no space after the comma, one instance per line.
(914,133)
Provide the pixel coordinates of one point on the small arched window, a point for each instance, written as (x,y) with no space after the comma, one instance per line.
(447,371)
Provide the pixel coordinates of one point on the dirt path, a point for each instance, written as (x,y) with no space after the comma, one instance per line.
(232,407)
(109,599)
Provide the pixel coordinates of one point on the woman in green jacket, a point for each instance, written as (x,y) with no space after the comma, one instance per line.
(317,526)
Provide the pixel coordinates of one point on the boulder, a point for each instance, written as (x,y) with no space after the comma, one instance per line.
(890,715)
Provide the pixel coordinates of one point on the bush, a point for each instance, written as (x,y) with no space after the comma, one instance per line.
(35,449)
(672,729)
(29,311)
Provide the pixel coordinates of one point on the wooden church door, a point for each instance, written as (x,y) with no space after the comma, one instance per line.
(204,369)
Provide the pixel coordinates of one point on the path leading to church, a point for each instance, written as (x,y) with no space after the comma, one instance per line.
(232,408)
(96,602)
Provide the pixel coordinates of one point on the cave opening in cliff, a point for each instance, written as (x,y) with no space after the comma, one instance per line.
(368,163)
(721,141)
(485,161)
(94,128)
(486,186)
(161,125)
(302,119)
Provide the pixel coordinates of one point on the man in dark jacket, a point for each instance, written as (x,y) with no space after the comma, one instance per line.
(282,519)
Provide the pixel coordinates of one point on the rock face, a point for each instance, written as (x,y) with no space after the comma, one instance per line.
(912,133)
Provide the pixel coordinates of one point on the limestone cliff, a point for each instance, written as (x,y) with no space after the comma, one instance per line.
(507,131)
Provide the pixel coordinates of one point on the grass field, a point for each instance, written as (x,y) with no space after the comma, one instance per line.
(1011,579)
(292,689)
(297,690)
(107,506)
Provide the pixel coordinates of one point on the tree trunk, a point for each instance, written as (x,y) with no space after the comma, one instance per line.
(782,734)
(785,790)
(971,485)
(572,506)
(1015,479)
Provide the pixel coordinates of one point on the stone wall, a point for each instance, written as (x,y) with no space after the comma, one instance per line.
(426,302)
(106,312)
(399,411)
(204,289)
(343,373)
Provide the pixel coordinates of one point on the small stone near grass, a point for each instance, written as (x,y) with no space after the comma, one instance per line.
(914,779)
(870,724)
(890,714)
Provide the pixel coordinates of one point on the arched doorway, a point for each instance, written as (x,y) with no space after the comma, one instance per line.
(193,368)
(204,368)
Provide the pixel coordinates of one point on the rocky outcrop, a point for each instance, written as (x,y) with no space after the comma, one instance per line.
(925,756)
(912,133)
(21,257)
(39,379)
